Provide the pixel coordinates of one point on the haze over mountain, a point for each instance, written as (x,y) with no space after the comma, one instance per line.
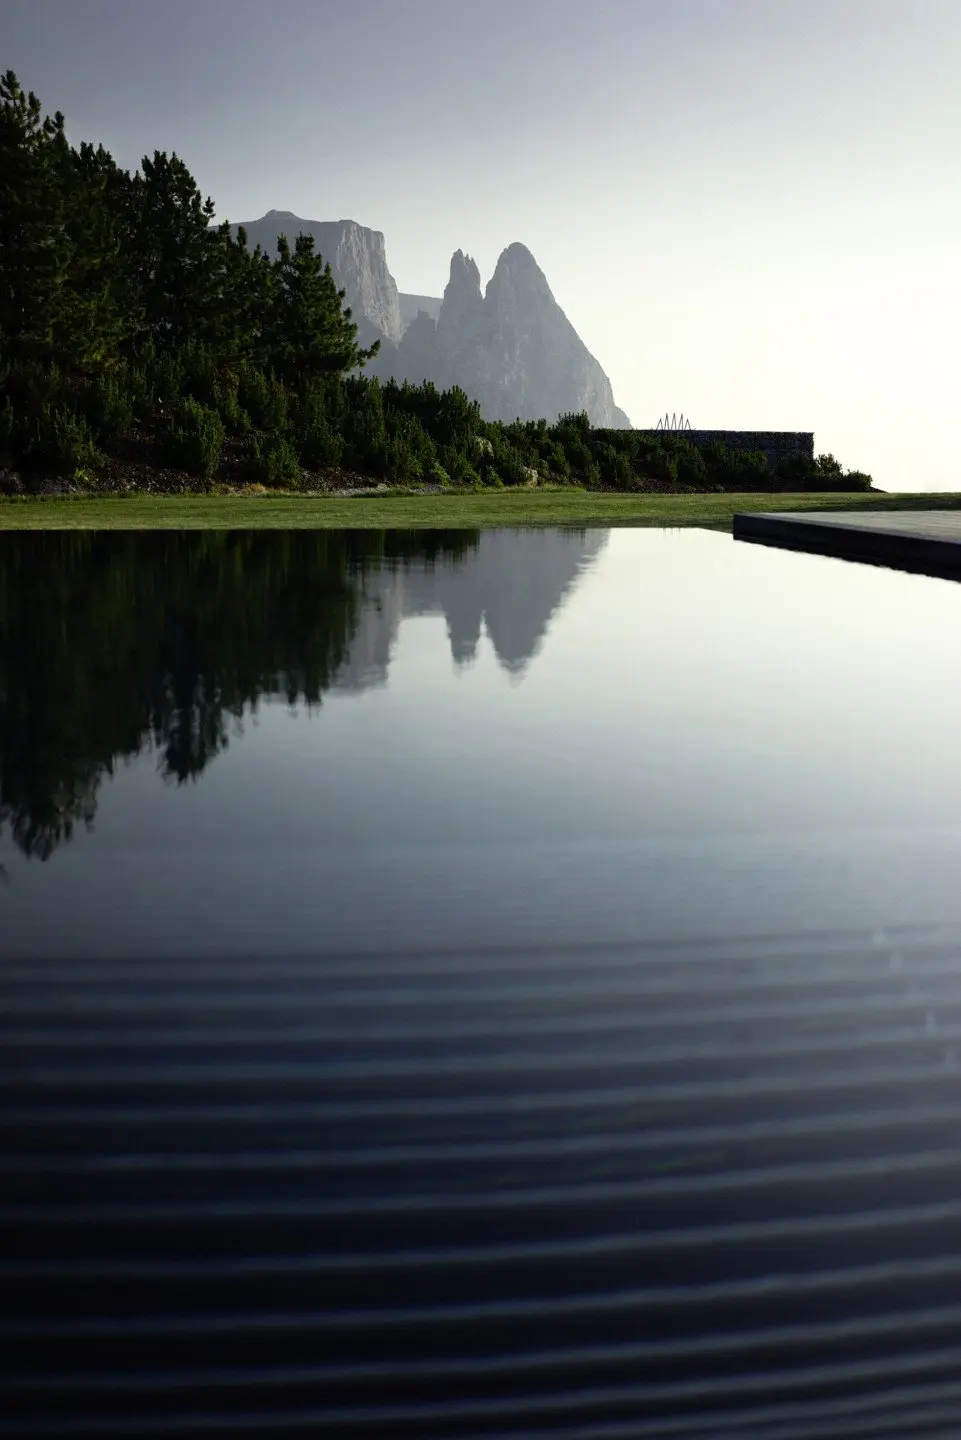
(411,306)
(512,348)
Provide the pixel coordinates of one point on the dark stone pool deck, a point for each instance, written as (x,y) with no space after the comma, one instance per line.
(927,542)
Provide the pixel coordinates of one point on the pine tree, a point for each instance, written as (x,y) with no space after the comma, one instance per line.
(33,248)
(310,331)
(105,310)
(179,258)
(66,292)
(245,299)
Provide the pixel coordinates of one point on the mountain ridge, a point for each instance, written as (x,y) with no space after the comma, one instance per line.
(510,347)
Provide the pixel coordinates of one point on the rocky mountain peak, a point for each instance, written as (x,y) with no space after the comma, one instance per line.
(518,280)
(463,307)
(518,260)
(512,349)
(464,273)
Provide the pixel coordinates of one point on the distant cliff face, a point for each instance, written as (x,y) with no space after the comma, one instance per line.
(512,348)
(358,261)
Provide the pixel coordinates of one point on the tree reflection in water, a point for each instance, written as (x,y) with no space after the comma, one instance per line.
(116,643)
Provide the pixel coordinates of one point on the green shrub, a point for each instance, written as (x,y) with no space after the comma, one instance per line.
(511,468)
(235,417)
(628,479)
(409,453)
(556,462)
(365,434)
(828,474)
(401,464)
(458,467)
(795,472)
(165,375)
(320,448)
(575,422)
(691,465)
(200,377)
(8,428)
(615,467)
(800,472)
(332,401)
(455,417)
(745,470)
(311,404)
(264,399)
(60,440)
(108,410)
(753,470)
(195,439)
(271,460)
(577,454)
(35,388)
(142,394)
(657,465)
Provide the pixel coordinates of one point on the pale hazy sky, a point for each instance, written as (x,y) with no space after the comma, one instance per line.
(750,209)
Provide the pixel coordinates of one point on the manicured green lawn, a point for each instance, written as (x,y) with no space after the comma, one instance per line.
(470,511)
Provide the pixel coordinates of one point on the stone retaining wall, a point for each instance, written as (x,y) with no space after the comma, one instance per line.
(776,444)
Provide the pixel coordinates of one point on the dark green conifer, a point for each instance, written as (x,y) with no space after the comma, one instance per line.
(179,258)
(310,331)
(34,257)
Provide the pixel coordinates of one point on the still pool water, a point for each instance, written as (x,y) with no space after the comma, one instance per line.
(256,741)
(468,984)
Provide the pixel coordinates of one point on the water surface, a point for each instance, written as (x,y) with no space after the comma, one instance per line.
(467,985)
(208,741)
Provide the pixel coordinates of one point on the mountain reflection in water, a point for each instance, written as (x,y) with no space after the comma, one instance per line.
(115,644)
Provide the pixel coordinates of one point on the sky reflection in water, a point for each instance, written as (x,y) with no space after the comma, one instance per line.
(339,741)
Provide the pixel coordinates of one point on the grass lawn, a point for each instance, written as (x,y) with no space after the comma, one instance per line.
(453,511)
